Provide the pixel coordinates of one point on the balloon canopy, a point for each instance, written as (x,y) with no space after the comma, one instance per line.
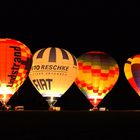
(15,63)
(53,71)
(132,72)
(97,74)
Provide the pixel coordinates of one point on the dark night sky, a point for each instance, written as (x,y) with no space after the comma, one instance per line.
(77,27)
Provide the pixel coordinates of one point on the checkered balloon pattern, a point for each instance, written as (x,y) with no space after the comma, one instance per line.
(15,63)
(97,74)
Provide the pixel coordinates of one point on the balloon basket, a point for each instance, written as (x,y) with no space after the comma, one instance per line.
(19,108)
(94,109)
(54,108)
(98,109)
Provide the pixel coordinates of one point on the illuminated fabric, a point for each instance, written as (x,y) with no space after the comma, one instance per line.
(15,63)
(132,72)
(52,73)
(97,74)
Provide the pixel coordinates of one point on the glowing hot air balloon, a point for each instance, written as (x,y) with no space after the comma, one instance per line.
(15,62)
(97,74)
(52,73)
(132,72)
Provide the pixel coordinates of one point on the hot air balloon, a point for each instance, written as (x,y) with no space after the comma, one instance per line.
(132,72)
(97,74)
(15,63)
(53,71)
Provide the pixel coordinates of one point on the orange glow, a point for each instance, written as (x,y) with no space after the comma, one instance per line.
(15,62)
(5,97)
(97,74)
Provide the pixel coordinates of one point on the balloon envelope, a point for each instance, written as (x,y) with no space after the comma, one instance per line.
(132,72)
(15,62)
(97,74)
(53,72)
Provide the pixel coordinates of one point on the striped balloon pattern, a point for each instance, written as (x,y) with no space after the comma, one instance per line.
(132,72)
(97,74)
(52,73)
(15,63)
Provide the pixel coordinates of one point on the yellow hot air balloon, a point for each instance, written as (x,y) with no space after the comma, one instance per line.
(53,71)
(97,74)
(132,72)
(15,63)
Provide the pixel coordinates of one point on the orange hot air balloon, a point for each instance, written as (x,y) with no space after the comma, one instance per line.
(15,63)
(97,74)
(132,72)
(53,72)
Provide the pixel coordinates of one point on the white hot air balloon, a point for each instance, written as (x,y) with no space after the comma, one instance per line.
(52,73)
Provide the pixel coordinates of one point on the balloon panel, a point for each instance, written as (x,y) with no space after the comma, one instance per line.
(97,74)
(53,71)
(15,62)
(136,74)
(132,72)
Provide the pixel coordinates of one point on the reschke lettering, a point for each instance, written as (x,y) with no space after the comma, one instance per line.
(50,67)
